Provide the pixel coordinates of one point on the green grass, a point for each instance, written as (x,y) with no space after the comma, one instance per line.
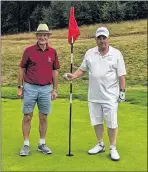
(134,95)
(132,139)
(131,39)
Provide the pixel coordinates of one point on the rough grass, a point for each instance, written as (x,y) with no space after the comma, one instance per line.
(116,29)
(129,37)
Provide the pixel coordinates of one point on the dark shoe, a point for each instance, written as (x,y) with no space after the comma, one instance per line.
(44,149)
(25,151)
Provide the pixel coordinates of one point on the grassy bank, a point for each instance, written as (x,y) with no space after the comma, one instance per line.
(129,37)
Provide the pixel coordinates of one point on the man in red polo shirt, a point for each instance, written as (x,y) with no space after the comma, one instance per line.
(37,83)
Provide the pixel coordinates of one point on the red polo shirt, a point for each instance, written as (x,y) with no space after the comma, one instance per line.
(39,64)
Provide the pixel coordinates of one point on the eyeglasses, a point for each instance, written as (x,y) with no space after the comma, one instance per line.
(102,37)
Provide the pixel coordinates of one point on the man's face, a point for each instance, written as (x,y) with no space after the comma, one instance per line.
(102,42)
(42,38)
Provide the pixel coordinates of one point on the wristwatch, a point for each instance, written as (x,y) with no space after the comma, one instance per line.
(55,90)
(20,86)
(123,90)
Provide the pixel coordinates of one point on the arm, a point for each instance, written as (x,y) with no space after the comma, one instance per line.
(55,68)
(21,75)
(20,82)
(55,84)
(122,82)
(55,79)
(121,71)
(21,72)
(77,74)
(122,89)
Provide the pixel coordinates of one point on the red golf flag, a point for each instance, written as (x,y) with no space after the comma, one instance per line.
(73,30)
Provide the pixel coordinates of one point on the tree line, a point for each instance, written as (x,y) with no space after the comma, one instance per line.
(24,16)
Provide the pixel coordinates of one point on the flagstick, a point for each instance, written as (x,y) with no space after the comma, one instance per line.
(71,64)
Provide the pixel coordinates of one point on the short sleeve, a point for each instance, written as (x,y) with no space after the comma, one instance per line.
(56,64)
(121,66)
(84,64)
(24,60)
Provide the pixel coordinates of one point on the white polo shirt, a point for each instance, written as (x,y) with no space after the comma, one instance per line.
(104,72)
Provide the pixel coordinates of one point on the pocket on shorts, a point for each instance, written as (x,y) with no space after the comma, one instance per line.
(30,90)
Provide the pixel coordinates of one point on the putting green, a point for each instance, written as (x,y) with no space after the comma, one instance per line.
(131,142)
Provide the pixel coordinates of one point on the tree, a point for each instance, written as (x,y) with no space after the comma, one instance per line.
(136,10)
(16,15)
(22,16)
(113,11)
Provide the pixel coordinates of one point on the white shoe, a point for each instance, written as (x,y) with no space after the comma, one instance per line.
(97,149)
(114,154)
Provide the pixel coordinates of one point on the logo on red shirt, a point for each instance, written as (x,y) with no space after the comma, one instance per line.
(49,59)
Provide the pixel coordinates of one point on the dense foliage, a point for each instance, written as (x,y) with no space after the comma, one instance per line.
(24,16)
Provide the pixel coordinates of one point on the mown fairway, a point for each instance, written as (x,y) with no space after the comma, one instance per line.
(131,39)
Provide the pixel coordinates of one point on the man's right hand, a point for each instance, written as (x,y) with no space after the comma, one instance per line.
(68,76)
(20,93)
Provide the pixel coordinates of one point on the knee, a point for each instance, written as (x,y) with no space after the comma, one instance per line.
(43,119)
(27,118)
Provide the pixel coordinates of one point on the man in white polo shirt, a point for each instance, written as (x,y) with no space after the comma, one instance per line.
(106,69)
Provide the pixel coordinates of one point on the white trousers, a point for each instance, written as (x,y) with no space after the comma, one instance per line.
(100,111)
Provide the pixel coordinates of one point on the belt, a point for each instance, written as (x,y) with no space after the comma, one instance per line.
(37,84)
(41,84)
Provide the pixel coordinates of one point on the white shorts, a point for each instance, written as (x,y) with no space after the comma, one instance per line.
(99,111)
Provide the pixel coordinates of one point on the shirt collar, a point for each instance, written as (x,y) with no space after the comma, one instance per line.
(38,47)
(108,53)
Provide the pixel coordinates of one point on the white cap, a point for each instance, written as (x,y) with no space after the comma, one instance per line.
(102,31)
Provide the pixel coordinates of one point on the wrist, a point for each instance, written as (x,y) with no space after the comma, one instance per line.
(20,86)
(74,76)
(55,90)
(122,89)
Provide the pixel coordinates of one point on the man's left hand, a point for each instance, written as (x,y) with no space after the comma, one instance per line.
(54,94)
(121,96)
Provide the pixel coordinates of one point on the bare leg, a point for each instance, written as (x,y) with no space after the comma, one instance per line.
(26,125)
(99,129)
(99,134)
(43,124)
(112,133)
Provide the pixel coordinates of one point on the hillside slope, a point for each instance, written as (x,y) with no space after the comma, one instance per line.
(129,37)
